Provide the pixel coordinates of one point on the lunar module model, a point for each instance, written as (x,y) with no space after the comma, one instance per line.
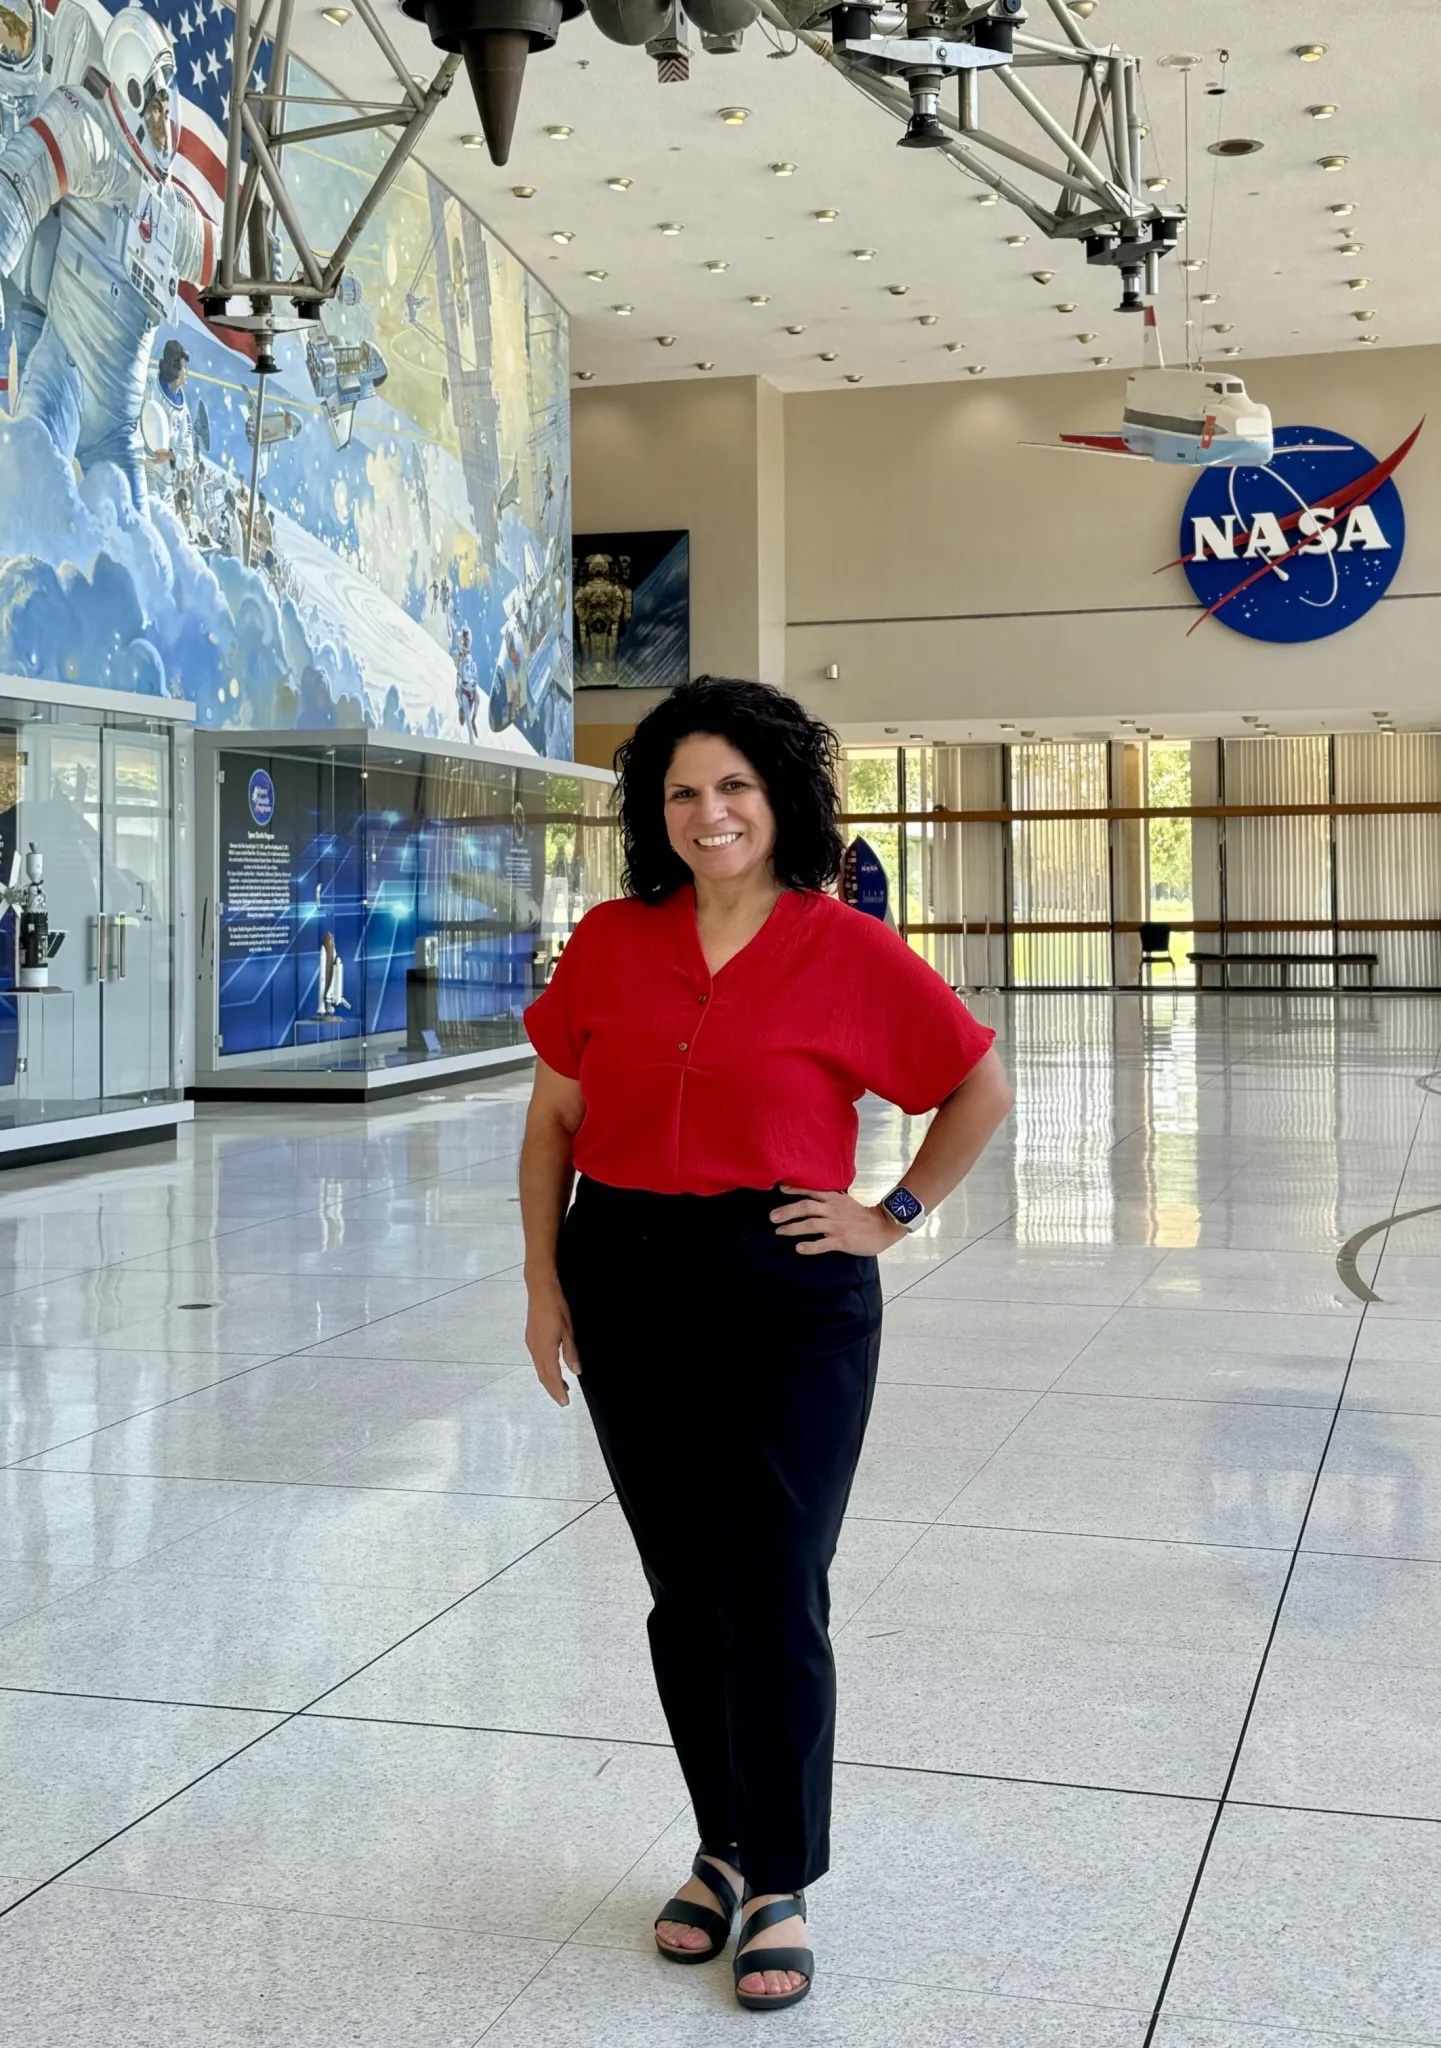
(36,944)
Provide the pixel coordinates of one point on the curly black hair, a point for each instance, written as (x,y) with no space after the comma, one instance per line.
(794,755)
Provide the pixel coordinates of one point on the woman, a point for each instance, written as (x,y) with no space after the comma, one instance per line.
(701,1049)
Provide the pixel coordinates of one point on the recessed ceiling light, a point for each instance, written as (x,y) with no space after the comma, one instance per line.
(1309,52)
(597,276)
(975,369)
(336,16)
(784,170)
(671,227)
(1183,60)
(1357,284)
(620,184)
(705,366)
(1066,306)
(828,355)
(1366,313)
(826,213)
(472,142)
(523,191)
(795,330)
(1207,298)
(1350,249)
(716,264)
(929,319)
(1085,337)
(953,348)
(735,117)
(1370,339)
(1100,361)
(1233,350)
(760,298)
(897,291)
(1235,145)
(1224,327)
(863,255)
(1323,111)
(1017,241)
(1332,163)
(1193,263)
(1157,184)
(854,376)
(558,133)
(622,310)
(1084,8)
(1043,276)
(562,235)
(1342,208)
(585,376)
(666,340)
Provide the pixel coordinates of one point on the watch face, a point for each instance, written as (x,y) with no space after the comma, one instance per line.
(903,1206)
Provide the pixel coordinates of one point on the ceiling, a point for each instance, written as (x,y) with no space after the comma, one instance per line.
(1262,224)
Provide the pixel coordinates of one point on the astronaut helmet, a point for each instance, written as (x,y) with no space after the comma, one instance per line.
(144,96)
(21,39)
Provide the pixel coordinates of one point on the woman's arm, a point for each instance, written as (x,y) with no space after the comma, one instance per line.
(547,1175)
(960,1131)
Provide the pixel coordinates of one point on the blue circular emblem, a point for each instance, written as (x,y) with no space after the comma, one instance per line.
(1299,549)
(262,797)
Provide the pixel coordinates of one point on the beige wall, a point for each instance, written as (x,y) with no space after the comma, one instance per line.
(950,570)
(708,455)
(907,535)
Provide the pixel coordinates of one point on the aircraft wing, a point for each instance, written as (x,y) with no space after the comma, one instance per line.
(1088,444)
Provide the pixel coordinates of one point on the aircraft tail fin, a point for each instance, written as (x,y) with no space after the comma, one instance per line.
(1154,359)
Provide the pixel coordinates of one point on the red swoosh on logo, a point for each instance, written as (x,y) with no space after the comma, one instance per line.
(1345,500)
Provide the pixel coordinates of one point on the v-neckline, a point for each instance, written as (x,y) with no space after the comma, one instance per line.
(692,920)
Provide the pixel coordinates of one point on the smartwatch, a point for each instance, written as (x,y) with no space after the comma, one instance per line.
(902,1207)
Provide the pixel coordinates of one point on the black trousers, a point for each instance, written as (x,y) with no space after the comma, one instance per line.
(730,1380)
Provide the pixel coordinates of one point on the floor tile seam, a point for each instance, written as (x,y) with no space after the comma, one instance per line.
(1158,2009)
(1420,1820)
(1185,1400)
(241,1372)
(1174,1308)
(317,1485)
(263,1736)
(46,1606)
(1114,1536)
(57,1692)
(1190,2015)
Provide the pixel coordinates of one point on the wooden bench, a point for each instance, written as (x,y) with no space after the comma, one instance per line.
(1285,961)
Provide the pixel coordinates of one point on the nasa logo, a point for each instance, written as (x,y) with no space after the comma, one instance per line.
(1300,548)
(261,796)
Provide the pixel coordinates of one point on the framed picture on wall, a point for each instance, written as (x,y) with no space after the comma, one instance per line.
(631,605)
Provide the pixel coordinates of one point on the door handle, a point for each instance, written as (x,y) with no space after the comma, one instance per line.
(120,927)
(102,946)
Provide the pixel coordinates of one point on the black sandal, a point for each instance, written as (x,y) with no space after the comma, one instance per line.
(692,1914)
(757,1961)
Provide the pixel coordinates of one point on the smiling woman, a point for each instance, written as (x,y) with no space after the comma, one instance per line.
(702,1048)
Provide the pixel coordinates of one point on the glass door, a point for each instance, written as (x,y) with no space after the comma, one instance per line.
(133,935)
(58,813)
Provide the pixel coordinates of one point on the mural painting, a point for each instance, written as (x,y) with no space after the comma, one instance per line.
(376,534)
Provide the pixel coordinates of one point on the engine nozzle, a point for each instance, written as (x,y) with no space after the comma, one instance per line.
(495,37)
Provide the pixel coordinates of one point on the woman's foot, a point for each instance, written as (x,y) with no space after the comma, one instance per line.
(674,1933)
(788,1933)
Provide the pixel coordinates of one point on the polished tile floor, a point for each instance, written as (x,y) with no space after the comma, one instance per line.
(325,1714)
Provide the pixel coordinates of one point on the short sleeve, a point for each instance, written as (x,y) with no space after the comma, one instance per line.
(553,1022)
(918,1041)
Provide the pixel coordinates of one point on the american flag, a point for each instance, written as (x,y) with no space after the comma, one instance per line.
(203,32)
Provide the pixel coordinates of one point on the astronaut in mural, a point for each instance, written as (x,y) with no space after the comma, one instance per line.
(23,84)
(509,688)
(467,684)
(100,158)
(168,430)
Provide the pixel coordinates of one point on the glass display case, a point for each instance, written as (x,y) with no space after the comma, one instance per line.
(380,909)
(89,1034)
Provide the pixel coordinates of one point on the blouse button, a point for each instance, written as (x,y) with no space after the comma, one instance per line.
(684,1045)
(702,999)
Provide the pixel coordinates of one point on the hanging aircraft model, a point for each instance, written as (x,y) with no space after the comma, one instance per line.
(1196,418)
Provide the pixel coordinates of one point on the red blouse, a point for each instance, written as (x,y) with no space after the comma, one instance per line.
(697,1083)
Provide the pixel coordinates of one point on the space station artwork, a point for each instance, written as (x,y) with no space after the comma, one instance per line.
(632,610)
(377,532)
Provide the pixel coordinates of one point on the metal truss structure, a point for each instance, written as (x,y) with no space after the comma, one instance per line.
(1099,199)
(249,266)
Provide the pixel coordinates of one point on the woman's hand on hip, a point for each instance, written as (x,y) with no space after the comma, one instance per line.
(549,1338)
(835,1223)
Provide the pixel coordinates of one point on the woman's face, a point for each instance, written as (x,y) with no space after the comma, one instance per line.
(717,813)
